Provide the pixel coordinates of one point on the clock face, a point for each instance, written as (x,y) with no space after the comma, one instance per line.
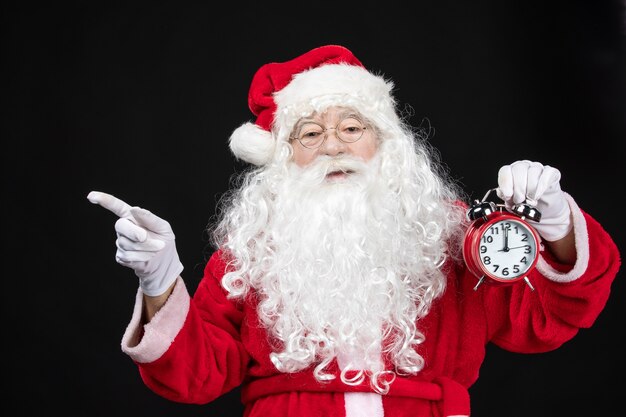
(507,249)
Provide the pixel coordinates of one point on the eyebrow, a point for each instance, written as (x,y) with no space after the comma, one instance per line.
(342,115)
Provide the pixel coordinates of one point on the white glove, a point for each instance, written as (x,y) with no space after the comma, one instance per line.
(145,243)
(537,185)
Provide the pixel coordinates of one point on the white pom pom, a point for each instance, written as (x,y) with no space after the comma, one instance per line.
(252,144)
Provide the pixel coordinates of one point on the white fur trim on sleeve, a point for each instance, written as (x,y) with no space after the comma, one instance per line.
(582,249)
(252,144)
(161,330)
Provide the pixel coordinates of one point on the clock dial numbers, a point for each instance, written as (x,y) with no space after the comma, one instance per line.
(506,249)
(500,246)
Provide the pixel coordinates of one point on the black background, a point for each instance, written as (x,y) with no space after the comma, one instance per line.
(138,100)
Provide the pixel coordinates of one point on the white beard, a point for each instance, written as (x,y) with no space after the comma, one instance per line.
(343,269)
(332,281)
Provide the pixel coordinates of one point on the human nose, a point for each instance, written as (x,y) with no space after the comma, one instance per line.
(332,144)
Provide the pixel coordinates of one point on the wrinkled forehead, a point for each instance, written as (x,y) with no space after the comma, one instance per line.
(330,115)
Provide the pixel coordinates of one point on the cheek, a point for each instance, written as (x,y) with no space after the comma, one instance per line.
(366,149)
(302,157)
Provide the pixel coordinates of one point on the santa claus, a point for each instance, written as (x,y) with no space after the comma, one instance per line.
(337,286)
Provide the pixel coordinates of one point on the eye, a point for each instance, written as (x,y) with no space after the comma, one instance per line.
(310,131)
(351,128)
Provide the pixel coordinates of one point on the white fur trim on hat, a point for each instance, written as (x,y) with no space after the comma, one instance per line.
(334,85)
(311,91)
(252,144)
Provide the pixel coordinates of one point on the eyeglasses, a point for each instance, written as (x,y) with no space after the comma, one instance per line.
(312,135)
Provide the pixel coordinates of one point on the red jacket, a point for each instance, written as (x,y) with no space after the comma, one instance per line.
(198,348)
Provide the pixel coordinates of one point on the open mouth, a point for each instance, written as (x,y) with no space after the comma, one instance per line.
(338,175)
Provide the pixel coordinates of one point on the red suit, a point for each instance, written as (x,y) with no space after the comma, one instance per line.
(196,349)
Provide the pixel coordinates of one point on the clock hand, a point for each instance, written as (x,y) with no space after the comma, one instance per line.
(517,247)
(506,240)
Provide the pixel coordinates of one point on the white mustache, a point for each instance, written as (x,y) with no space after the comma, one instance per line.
(345,165)
(326,165)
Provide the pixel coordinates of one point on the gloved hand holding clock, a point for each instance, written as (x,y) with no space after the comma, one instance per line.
(502,247)
(539,185)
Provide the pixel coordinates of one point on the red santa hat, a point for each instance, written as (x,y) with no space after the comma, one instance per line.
(283,92)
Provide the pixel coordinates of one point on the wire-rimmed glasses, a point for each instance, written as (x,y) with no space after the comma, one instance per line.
(312,135)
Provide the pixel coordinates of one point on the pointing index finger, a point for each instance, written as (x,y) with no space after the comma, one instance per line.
(111,203)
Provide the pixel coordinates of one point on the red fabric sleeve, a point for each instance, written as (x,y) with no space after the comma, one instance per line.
(207,357)
(526,321)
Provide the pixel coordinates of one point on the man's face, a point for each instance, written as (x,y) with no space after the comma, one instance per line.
(329,126)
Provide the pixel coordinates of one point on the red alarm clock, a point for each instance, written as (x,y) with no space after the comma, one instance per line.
(500,247)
